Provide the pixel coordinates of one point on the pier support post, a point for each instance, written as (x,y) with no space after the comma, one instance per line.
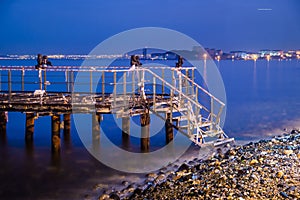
(29,129)
(67,128)
(169,128)
(145,131)
(3,120)
(67,124)
(125,131)
(96,126)
(55,119)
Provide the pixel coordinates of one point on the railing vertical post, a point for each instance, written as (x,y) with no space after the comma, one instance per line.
(0,80)
(133,86)
(186,81)
(67,79)
(211,111)
(193,74)
(22,79)
(171,103)
(40,79)
(103,86)
(163,84)
(9,84)
(142,85)
(91,81)
(72,81)
(124,88)
(45,79)
(180,86)
(154,93)
(115,87)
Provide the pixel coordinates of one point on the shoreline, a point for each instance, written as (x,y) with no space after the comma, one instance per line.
(264,169)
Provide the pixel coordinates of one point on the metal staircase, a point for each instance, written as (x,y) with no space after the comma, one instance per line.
(201,124)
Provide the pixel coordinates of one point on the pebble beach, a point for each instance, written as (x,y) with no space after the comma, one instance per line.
(267,169)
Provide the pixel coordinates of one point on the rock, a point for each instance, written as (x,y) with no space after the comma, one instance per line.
(287,152)
(279,174)
(104,197)
(114,196)
(125,183)
(284,195)
(253,162)
(151,175)
(183,167)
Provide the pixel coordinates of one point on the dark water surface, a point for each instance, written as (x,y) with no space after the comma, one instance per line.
(262,99)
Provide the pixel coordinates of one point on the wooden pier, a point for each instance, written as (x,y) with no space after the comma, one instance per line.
(170,93)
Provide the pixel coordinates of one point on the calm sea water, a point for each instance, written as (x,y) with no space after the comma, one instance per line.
(262,99)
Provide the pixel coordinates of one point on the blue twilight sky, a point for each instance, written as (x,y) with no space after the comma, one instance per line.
(77,26)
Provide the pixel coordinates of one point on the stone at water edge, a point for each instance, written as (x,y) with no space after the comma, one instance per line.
(288,152)
(253,162)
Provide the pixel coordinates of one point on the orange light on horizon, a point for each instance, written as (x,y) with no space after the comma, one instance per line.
(268,57)
(254,57)
(205,56)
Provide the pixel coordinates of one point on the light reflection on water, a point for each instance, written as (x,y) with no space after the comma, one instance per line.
(263,98)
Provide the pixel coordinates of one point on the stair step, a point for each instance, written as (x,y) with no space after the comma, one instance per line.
(201,125)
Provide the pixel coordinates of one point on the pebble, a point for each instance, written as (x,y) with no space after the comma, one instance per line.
(268,169)
(288,152)
(253,162)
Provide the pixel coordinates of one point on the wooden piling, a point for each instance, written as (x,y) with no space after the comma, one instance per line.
(96,126)
(67,129)
(169,128)
(55,119)
(125,131)
(145,131)
(67,124)
(29,127)
(3,120)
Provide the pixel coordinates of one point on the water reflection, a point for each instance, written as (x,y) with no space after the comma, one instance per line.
(29,147)
(3,138)
(254,75)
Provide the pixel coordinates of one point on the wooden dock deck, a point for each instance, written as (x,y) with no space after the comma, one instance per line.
(170,93)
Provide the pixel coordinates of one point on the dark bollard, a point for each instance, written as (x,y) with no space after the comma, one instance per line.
(125,131)
(169,129)
(29,127)
(145,131)
(55,119)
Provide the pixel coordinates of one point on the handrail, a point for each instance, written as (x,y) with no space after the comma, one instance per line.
(172,87)
(84,68)
(201,88)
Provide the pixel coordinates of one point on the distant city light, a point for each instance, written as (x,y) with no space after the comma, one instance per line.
(264,9)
